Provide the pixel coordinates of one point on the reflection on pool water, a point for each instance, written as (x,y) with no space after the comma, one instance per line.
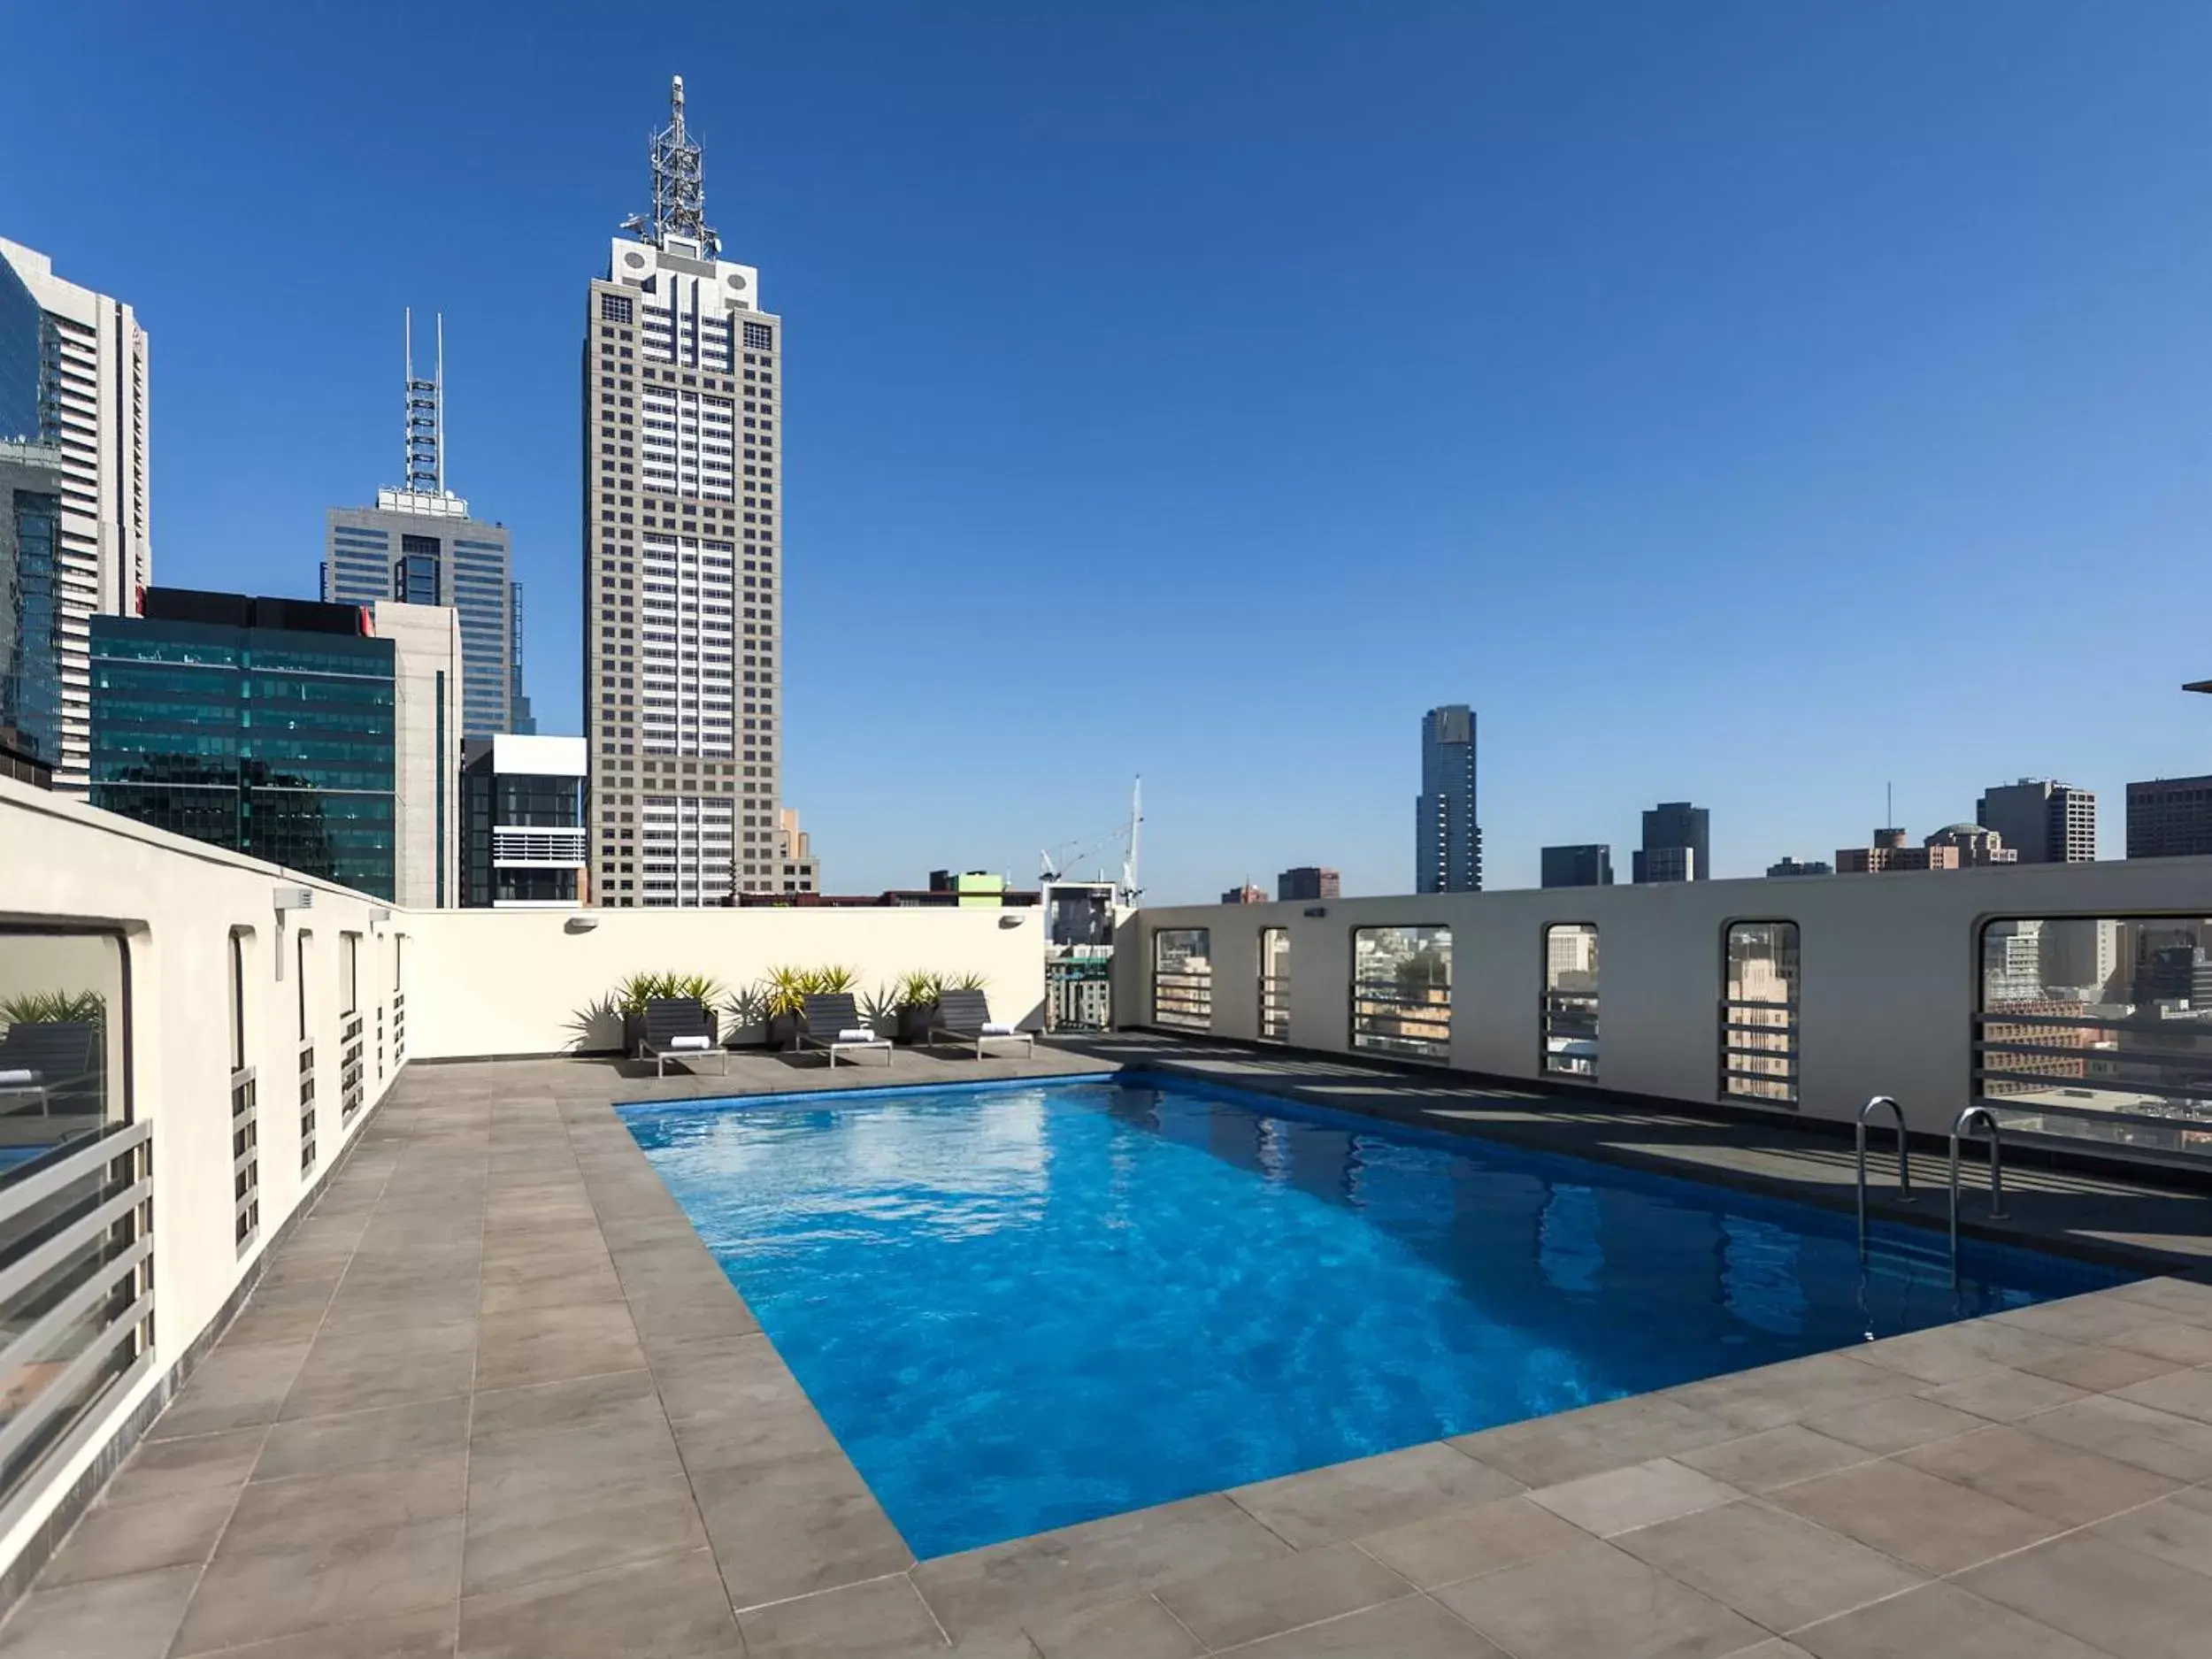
(1019,1308)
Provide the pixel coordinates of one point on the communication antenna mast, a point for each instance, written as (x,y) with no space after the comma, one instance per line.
(679,192)
(1129,887)
(425,472)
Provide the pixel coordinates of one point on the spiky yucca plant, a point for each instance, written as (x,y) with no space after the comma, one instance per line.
(632,993)
(54,1008)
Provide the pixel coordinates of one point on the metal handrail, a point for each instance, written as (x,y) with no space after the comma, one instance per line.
(1904,1160)
(1961,1125)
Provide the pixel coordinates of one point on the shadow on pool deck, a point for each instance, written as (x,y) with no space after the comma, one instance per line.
(494,1397)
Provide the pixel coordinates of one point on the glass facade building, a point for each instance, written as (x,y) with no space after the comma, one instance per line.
(266,725)
(22,357)
(30,603)
(522,821)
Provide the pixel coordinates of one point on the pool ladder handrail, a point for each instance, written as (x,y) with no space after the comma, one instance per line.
(1904,1160)
(1961,1126)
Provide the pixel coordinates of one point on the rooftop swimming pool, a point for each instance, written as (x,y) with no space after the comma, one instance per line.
(1019,1307)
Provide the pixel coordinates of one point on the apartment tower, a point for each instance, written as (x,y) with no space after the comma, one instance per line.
(419,545)
(683,553)
(2043,820)
(72,377)
(1446,838)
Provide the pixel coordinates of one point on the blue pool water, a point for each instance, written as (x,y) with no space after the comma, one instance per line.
(1019,1308)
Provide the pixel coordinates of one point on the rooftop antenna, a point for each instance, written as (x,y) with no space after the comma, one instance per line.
(424,472)
(679,195)
(1130,890)
(1889,806)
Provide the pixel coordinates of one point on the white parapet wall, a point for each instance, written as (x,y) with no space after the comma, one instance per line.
(84,892)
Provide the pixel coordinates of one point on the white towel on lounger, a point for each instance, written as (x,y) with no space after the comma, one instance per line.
(690,1042)
(999,1028)
(856,1034)
(18,1079)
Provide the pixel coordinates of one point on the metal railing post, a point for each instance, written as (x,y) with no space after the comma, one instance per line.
(1904,1160)
(1961,1125)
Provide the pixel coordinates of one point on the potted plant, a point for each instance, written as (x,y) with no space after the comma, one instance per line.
(632,994)
(782,996)
(914,1007)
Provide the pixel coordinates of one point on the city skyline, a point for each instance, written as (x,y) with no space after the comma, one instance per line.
(1514,454)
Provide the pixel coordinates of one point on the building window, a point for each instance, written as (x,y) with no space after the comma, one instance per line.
(1183,978)
(614,308)
(1758,1014)
(1275,984)
(1570,1000)
(2094,1027)
(759,337)
(350,971)
(1402,992)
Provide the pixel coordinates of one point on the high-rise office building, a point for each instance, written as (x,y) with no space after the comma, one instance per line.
(420,546)
(1309,882)
(1978,845)
(1246,894)
(1586,865)
(1671,828)
(87,398)
(31,634)
(305,734)
(2044,821)
(1447,836)
(682,557)
(1801,867)
(522,833)
(2169,818)
(521,721)
(1892,851)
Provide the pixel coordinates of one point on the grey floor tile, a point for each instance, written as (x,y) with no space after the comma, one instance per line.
(1772,1457)
(1246,1601)
(169,1468)
(1894,1424)
(795,1527)
(1137,1628)
(261,1321)
(2005,1395)
(232,1389)
(522,1470)
(2116,1598)
(2096,1317)
(106,1618)
(1416,1628)
(2177,1529)
(2182,1298)
(312,1510)
(549,1344)
(2183,1344)
(1938,1621)
(881,1618)
(1954,1353)
(1460,1543)
(509,1545)
(1594,1600)
(2137,1434)
(506,1294)
(355,1372)
(2186,1394)
(1324,1505)
(1545,1451)
(2041,1476)
(1794,1390)
(582,1402)
(255,1596)
(112,1542)
(1622,1499)
(1006,1586)
(2097,1368)
(669,1608)
(355,1440)
(1768,1564)
(426,1634)
(1923,1521)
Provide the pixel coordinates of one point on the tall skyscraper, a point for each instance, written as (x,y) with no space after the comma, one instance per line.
(31,634)
(2169,818)
(89,400)
(1671,830)
(1586,865)
(521,721)
(419,545)
(2043,820)
(1309,882)
(681,555)
(1446,837)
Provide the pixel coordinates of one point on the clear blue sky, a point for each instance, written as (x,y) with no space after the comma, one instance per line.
(1750,402)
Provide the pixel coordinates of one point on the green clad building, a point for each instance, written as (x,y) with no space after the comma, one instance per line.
(266,725)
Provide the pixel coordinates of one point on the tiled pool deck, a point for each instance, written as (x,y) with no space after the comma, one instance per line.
(495,1398)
